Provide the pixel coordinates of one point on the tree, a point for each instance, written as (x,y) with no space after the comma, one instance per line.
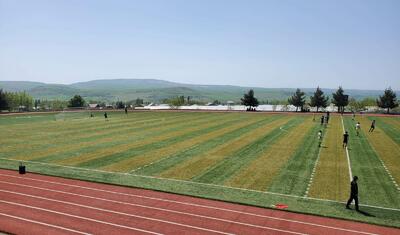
(76,101)
(297,99)
(120,105)
(176,102)
(355,105)
(3,100)
(318,99)
(249,99)
(340,99)
(388,100)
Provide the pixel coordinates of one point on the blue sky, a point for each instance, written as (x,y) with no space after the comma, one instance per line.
(280,43)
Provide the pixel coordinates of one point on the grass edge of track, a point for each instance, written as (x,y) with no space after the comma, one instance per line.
(296,204)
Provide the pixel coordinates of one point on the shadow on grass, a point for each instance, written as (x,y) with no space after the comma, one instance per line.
(365,213)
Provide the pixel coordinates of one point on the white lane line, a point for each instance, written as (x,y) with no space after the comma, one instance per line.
(44,224)
(174,211)
(198,183)
(74,216)
(314,168)
(347,154)
(204,206)
(109,211)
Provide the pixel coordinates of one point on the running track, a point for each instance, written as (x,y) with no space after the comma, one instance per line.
(38,204)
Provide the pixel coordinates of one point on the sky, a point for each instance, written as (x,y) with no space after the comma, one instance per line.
(283,43)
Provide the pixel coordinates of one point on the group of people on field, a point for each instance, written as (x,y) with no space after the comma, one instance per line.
(354,187)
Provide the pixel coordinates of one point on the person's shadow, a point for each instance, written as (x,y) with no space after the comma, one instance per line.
(365,213)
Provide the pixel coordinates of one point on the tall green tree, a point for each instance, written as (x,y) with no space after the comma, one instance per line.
(249,99)
(297,99)
(319,99)
(3,101)
(340,100)
(388,100)
(76,101)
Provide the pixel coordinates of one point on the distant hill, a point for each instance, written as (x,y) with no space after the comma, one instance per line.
(153,90)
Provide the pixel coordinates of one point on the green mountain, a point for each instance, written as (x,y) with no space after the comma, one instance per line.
(153,90)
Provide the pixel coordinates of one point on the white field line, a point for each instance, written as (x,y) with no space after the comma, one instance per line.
(347,154)
(148,218)
(314,168)
(73,216)
(44,224)
(386,169)
(190,214)
(185,181)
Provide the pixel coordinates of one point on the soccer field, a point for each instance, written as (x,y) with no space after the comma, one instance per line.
(253,158)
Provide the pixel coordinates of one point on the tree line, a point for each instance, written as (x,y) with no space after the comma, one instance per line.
(319,100)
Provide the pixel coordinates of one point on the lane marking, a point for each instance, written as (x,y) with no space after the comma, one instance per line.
(347,154)
(314,168)
(185,213)
(191,182)
(45,224)
(75,216)
(104,210)
(187,203)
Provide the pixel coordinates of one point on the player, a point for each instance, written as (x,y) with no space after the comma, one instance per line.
(126,110)
(345,139)
(358,127)
(105,116)
(353,193)
(372,128)
(319,138)
(322,120)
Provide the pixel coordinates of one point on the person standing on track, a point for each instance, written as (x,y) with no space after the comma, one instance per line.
(345,139)
(372,128)
(358,127)
(353,193)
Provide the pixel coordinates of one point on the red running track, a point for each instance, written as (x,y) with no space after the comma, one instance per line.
(38,204)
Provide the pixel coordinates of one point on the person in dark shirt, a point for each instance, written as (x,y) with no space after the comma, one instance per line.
(353,193)
(105,116)
(126,110)
(322,120)
(372,126)
(345,139)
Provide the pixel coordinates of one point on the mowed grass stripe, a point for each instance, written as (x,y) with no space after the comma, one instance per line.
(388,125)
(100,140)
(375,186)
(260,172)
(146,161)
(65,129)
(294,176)
(223,170)
(385,147)
(184,135)
(331,179)
(131,142)
(201,162)
(180,158)
(54,144)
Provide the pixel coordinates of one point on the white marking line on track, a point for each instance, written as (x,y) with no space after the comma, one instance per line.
(44,224)
(314,169)
(109,211)
(74,216)
(347,154)
(178,212)
(192,204)
(192,182)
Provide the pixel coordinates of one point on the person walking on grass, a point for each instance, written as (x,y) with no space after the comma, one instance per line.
(372,128)
(126,110)
(105,116)
(345,139)
(353,193)
(319,138)
(322,120)
(358,127)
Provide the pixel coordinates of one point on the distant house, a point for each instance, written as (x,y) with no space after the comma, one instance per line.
(94,106)
(109,106)
(229,102)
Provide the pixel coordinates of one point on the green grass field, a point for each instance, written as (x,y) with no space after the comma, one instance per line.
(251,158)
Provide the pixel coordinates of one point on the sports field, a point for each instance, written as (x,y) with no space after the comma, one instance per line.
(252,158)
